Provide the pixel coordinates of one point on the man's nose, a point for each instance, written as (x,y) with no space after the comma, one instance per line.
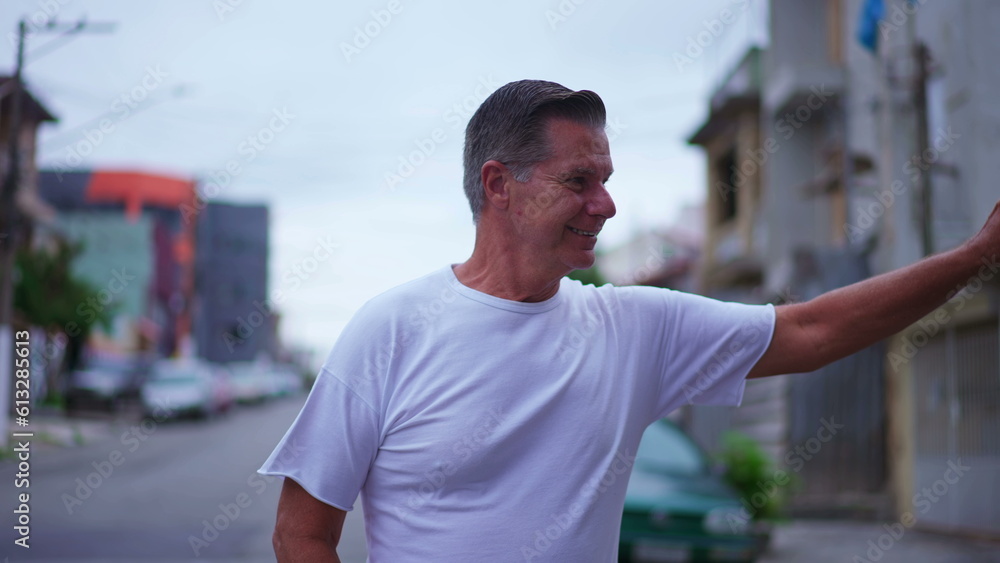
(602,204)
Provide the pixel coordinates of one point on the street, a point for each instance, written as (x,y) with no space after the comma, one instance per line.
(174,491)
(846,541)
(188,491)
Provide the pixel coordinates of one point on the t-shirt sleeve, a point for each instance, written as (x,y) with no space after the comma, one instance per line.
(330,445)
(708,346)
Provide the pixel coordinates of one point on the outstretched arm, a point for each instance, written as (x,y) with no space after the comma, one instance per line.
(836,324)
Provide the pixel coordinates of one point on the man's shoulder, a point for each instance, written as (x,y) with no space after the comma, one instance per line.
(408,295)
(607,294)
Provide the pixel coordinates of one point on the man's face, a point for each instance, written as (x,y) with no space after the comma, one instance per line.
(558,212)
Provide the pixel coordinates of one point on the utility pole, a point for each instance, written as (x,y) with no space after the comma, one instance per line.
(921,57)
(925,195)
(10,220)
(9,227)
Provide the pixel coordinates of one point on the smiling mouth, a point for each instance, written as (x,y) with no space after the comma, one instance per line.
(583,233)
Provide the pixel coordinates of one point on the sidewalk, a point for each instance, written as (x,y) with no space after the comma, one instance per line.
(52,428)
(848,542)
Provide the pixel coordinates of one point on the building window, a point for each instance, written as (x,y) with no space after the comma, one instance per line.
(727,180)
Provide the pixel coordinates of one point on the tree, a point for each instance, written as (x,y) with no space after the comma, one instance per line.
(48,295)
(589,276)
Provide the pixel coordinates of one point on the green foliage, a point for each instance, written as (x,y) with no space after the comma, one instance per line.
(55,401)
(78,438)
(750,471)
(47,294)
(589,276)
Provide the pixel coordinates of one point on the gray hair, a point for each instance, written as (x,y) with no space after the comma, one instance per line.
(510,127)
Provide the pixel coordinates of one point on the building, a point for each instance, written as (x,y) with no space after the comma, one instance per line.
(938,82)
(138,250)
(830,160)
(662,258)
(33,115)
(235,320)
(24,220)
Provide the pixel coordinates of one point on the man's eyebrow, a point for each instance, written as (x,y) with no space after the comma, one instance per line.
(588,171)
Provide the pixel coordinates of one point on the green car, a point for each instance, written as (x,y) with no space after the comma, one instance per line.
(678,509)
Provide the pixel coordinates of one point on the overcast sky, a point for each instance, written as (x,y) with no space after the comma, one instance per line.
(346,118)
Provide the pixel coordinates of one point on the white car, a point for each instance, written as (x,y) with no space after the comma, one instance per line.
(176,388)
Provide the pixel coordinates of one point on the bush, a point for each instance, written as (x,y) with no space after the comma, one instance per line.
(751,472)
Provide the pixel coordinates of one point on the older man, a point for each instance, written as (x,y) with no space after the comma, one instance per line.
(494,401)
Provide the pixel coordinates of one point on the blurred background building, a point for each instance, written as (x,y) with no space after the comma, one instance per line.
(179,275)
(136,247)
(862,138)
(33,115)
(235,320)
(666,257)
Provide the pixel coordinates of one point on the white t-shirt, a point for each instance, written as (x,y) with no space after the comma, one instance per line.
(481,429)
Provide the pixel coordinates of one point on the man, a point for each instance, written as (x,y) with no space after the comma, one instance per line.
(481,405)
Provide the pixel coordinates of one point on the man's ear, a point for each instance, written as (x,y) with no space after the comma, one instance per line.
(495,176)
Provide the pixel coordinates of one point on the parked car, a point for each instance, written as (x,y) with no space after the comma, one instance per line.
(106,384)
(223,389)
(287,381)
(249,385)
(677,508)
(176,388)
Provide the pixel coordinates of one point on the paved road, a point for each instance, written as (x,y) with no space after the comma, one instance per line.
(848,542)
(167,481)
(161,484)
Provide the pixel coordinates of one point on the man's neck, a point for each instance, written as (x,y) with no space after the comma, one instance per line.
(506,274)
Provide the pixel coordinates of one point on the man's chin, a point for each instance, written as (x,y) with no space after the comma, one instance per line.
(584,262)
